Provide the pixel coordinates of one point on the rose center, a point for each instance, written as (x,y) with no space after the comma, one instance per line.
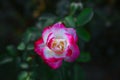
(58,46)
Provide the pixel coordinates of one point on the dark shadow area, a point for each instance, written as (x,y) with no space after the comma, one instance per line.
(16,16)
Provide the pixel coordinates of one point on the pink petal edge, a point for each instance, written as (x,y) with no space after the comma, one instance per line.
(58,25)
(55,64)
(38,46)
(73,33)
(72,53)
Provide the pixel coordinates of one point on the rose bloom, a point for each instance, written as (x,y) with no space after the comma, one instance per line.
(57,43)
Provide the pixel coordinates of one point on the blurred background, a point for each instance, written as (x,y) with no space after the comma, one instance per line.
(19,19)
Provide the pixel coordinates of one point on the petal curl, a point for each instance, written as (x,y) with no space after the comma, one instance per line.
(72,53)
(47,55)
(58,29)
(58,25)
(50,59)
(42,50)
(46,32)
(38,46)
(73,33)
(55,64)
(69,38)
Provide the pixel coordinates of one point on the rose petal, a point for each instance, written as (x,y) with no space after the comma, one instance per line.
(54,65)
(46,32)
(58,25)
(38,46)
(58,30)
(47,55)
(49,58)
(73,33)
(42,50)
(69,38)
(72,50)
(72,53)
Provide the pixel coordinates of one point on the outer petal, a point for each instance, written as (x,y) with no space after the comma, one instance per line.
(69,38)
(58,30)
(47,55)
(73,33)
(49,58)
(72,50)
(72,53)
(58,25)
(42,50)
(38,46)
(54,65)
(46,32)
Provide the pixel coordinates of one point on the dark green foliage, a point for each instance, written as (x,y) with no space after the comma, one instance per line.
(84,57)
(95,21)
(83,34)
(84,17)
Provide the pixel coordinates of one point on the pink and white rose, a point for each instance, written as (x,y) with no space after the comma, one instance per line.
(57,43)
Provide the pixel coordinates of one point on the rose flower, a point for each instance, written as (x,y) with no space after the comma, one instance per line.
(57,43)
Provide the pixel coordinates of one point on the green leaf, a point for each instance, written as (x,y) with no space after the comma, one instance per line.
(84,17)
(27,36)
(28,59)
(34,33)
(24,65)
(69,21)
(83,34)
(26,75)
(30,47)
(49,21)
(73,8)
(5,60)
(84,57)
(11,50)
(23,76)
(21,46)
